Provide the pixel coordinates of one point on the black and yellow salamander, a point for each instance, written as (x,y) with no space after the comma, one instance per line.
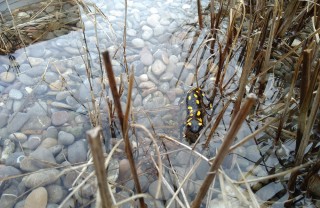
(195,114)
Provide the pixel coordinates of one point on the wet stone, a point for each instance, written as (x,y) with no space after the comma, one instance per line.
(146,56)
(18,137)
(138,43)
(32,143)
(6,171)
(9,197)
(55,193)
(38,198)
(158,67)
(26,80)
(167,76)
(147,85)
(153,20)
(8,149)
(38,108)
(14,159)
(164,193)
(42,158)
(3,119)
(7,77)
(35,61)
(15,94)
(16,121)
(49,142)
(37,123)
(52,132)
(77,152)
(65,138)
(60,117)
(26,164)
(41,178)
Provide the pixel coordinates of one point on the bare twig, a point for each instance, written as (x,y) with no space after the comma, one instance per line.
(224,149)
(124,124)
(93,137)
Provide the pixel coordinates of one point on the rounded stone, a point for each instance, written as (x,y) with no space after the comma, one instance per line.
(158,67)
(146,57)
(38,198)
(55,193)
(41,178)
(49,142)
(7,77)
(77,152)
(65,138)
(138,43)
(15,94)
(164,192)
(60,117)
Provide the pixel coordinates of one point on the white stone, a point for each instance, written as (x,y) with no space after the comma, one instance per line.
(158,67)
(147,34)
(158,30)
(143,77)
(138,43)
(153,20)
(7,77)
(146,57)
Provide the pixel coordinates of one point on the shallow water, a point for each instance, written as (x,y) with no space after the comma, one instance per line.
(46,102)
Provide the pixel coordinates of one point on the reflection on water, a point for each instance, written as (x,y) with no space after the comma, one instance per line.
(47,91)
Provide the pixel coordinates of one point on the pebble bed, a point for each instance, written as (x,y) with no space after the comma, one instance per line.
(44,109)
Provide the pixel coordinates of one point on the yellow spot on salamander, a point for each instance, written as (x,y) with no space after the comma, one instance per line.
(198,113)
(191,114)
(189,124)
(195,95)
(189,120)
(190,107)
(189,97)
(200,120)
(198,102)
(200,124)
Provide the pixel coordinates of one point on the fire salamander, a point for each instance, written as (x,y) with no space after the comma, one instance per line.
(195,114)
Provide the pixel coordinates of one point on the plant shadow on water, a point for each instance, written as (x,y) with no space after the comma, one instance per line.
(54,88)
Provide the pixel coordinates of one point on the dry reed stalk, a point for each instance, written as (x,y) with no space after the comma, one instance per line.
(93,137)
(199,14)
(306,91)
(123,123)
(288,17)
(251,50)
(276,14)
(125,37)
(289,97)
(305,140)
(224,149)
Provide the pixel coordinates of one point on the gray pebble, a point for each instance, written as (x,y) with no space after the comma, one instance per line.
(32,143)
(65,138)
(60,117)
(14,159)
(15,94)
(41,178)
(16,121)
(55,193)
(43,158)
(3,119)
(164,193)
(77,152)
(52,132)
